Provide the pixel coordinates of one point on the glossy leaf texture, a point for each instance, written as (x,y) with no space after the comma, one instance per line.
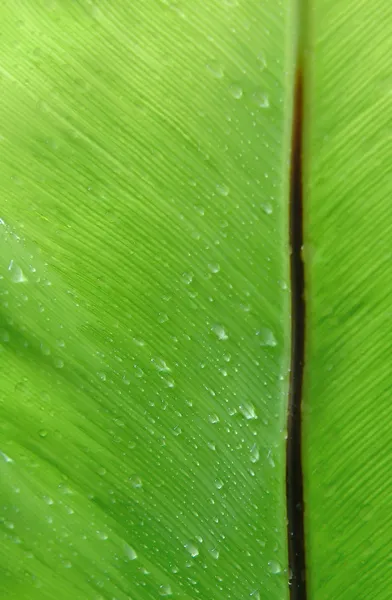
(145,326)
(347,449)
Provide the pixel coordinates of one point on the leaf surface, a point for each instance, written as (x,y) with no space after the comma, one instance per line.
(145,298)
(348,215)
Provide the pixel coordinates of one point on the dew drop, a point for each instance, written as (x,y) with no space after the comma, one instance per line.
(136,482)
(274,567)
(222,189)
(192,549)
(261,99)
(213,418)
(248,411)
(254,454)
(214,267)
(267,208)
(6,458)
(17,275)
(215,69)
(138,372)
(161,365)
(236,91)
(130,552)
(165,590)
(262,60)
(267,337)
(220,332)
(270,459)
(187,278)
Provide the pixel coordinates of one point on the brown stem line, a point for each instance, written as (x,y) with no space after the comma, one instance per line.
(294,476)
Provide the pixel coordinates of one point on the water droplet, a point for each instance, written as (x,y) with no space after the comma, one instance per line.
(177,430)
(43,433)
(136,482)
(214,267)
(274,567)
(161,365)
(261,99)
(17,275)
(213,418)
(6,458)
(102,535)
(267,208)
(220,332)
(215,69)
(187,278)
(254,454)
(192,549)
(219,484)
(144,571)
(165,590)
(262,60)
(138,372)
(45,350)
(267,337)
(248,411)
(222,189)
(236,91)
(283,285)
(130,552)
(170,383)
(200,210)
(270,459)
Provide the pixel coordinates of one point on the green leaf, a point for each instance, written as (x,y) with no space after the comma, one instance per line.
(348,215)
(145,298)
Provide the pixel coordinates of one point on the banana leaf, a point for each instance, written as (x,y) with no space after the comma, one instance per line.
(146,321)
(347,445)
(145,298)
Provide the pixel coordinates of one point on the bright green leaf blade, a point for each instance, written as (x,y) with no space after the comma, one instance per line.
(145,303)
(347,441)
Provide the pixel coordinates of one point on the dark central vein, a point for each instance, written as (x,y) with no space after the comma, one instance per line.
(295,505)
